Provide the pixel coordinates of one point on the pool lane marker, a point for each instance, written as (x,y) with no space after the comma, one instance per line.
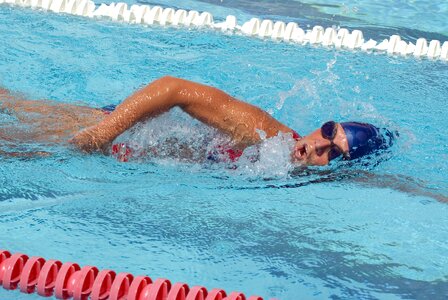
(331,37)
(69,280)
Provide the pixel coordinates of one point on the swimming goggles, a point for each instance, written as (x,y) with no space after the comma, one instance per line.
(328,131)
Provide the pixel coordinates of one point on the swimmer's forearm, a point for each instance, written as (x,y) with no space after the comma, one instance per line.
(150,101)
(156,98)
(242,121)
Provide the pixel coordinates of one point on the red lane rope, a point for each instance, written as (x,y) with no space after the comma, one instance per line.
(69,280)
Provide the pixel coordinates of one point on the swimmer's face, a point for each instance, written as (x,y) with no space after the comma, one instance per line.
(316,149)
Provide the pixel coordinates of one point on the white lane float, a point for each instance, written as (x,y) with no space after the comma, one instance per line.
(340,38)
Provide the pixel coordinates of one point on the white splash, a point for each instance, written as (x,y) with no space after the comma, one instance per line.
(273,158)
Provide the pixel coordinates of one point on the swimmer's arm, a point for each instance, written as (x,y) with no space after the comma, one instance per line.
(242,121)
(401,183)
(27,154)
(4,92)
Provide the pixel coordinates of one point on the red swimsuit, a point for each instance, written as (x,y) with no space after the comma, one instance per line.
(233,155)
(123,152)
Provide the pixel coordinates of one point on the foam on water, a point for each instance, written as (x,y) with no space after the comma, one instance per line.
(176,137)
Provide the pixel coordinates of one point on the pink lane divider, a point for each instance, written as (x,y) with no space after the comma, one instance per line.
(69,280)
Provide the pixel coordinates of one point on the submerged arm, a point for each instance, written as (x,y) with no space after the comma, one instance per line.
(401,183)
(210,105)
(22,154)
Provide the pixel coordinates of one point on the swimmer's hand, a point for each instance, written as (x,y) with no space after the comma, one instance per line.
(88,141)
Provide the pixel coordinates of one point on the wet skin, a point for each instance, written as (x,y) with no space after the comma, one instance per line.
(90,130)
(240,120)
(313,149)
(43,121)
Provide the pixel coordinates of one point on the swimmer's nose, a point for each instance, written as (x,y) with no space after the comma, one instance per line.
(317,147)
(322,144)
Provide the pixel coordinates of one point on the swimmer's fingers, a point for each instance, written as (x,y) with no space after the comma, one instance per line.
(77,141)
(87,142)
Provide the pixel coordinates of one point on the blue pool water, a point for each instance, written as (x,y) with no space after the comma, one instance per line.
(340,232)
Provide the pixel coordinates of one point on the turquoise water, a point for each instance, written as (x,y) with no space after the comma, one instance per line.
(341,232)
(377,19)
(394,17)
(401,15)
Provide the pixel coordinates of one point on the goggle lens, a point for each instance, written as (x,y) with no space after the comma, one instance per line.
(328,131)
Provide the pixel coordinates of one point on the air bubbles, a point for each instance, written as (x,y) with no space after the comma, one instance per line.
(269,159)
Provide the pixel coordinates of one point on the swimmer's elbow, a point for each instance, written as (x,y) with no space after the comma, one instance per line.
(169,82)
(170,86)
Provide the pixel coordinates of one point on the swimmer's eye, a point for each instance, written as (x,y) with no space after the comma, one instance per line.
(334,153)
(319,151)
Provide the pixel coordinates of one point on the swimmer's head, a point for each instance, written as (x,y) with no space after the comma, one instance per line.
(349,140)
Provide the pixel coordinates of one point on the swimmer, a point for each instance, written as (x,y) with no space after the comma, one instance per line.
(94,130)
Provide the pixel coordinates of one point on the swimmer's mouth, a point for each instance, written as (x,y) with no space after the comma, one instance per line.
(300,153)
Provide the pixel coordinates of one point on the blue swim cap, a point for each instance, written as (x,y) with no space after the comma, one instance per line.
(364,138)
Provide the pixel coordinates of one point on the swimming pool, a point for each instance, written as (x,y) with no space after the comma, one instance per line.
(261,228)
